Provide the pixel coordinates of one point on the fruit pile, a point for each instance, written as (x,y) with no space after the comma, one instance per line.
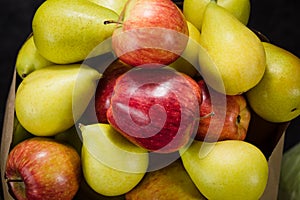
(143,99)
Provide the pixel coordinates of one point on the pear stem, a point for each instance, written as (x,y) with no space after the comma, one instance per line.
(111,22)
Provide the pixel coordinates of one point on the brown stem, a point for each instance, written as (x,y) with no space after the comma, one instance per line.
(13,180)
(111,22)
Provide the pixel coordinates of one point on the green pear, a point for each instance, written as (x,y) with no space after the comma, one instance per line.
(188,62)
(237,53)
(230,169)
(46,97)
(170,182)
(67,31)
(194,10)
(276,98)
(111,164)
(70,137)
(115,5)
(19,133)
(29,59)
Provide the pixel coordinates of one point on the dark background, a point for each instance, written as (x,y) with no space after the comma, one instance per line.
(277,19)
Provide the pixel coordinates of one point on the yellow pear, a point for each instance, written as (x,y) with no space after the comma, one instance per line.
(111,164)
(188,62)
(46,97)
(193,10)
(29,59)
(276,98)
(67,31)
(229,169)
(170,182)
(237,53)
(115,5)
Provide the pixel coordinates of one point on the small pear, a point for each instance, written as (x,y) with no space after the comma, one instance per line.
(237,53)
(46,98)
(170,182)
(115,5)
(70,137)
(19,133)
(229,169)
(111,164)
(276,98)
(29,59)
(67,31)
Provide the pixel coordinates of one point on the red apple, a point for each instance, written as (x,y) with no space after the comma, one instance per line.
(105,88)
(42,168)
(228,117)
(156,109)
(151,33)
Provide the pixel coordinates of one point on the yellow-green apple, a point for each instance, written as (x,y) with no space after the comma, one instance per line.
(193,10)
(106,86)
(215,125)
(230,169)
(150,32)
(42,168)
(188,61)
(111,164)
(157,109)
(276,98)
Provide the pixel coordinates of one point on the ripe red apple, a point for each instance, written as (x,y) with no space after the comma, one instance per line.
(42,168)
(228,117)
(105,88)
(156,109)
(151,33)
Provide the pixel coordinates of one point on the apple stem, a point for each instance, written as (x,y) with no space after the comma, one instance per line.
(111,22)
(208,115)
(13,180)
(238,119)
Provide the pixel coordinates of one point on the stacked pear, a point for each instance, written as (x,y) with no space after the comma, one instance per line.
(67,31)
(276,98)
(111,164)
(194,10)
(230,169)
(46,97)
(237,54)
(169,182)
(115,5)
(29,59)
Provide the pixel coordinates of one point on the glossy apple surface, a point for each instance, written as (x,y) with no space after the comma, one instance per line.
(157,109)
(105,88)
(41,168)
(227,118)
(150,32)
